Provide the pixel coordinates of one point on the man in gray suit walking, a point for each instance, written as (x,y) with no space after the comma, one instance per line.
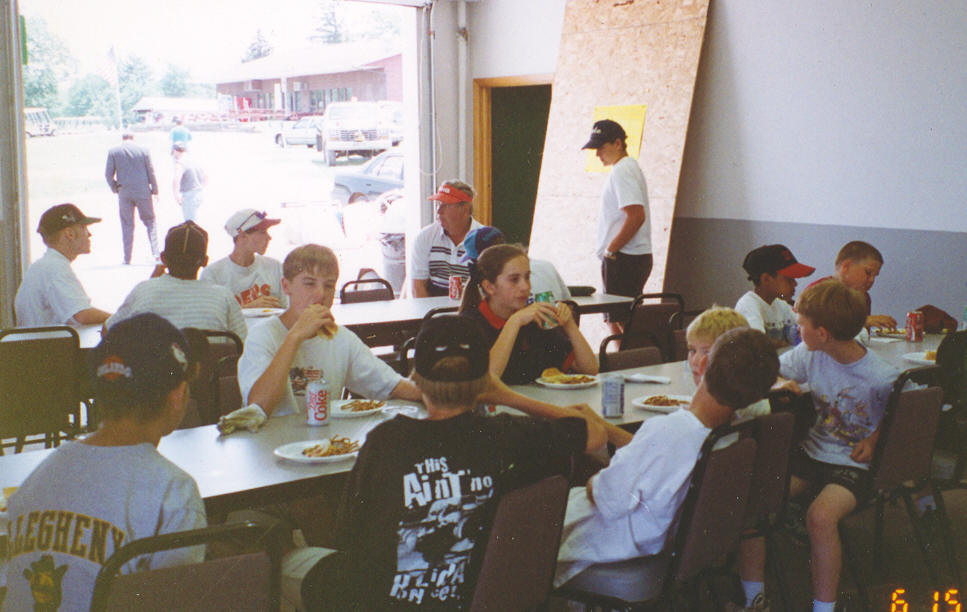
(130,174)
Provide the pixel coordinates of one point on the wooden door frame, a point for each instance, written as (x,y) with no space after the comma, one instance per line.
(483,206)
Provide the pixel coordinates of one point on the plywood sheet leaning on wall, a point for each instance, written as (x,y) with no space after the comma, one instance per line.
(615,52)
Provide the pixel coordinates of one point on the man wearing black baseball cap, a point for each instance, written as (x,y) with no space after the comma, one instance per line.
(624,227)
(50,293)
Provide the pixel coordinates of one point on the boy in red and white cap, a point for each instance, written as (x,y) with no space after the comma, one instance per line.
(773,271)
(254,280)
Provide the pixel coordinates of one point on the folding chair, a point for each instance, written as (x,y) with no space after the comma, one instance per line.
(902,456)
(249,581)
(632,358)
(220,360)
(519,561)
(366,290)
(649,324)
(769,489)
(39,385)
(710,524)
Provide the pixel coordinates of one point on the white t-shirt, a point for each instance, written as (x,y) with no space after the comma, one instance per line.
(544,277)
(625,187)
(50,293)
(636,497)
(263,277)
(771,319)
(344,361)
(84,502)
(185,303)
(435,257)
(850,399)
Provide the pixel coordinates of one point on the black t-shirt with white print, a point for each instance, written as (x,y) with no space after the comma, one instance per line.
(421,497)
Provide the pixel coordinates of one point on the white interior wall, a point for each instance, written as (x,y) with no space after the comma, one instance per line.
(514,38)
(828,112)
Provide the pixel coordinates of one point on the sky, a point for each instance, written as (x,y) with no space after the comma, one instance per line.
(201,35)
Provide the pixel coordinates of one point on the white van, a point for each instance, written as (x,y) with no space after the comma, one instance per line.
(37,122)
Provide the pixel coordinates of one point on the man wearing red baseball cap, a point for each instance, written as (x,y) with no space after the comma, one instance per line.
(438,249)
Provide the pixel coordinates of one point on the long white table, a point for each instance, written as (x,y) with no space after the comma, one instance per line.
(393,321)
(240,470)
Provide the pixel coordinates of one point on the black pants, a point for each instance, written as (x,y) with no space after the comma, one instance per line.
(625,275)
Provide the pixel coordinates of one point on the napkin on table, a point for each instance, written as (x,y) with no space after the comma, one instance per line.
(250,417)
(646,378)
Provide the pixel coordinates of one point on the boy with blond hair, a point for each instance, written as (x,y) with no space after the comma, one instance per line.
(701,334)
(850,387)
(858,264)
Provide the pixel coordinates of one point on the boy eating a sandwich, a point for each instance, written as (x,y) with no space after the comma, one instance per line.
(284,353)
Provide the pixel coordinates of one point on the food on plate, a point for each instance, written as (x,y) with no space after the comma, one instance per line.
(891,331)
(663,400)
(557,377)
(327,331)
(336,445)
(930,355)
(362,405)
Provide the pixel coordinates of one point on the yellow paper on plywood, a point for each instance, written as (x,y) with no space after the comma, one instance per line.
(632,119)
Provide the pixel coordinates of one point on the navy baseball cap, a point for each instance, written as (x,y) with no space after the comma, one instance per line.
(774,259)
(479,239)
(139,360)
(451,336)
(605,131)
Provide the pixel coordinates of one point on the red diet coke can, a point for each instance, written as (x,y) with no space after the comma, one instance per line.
(456,287)
(317,402)
(914,326)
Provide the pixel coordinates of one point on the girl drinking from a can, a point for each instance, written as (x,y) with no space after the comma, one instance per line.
(525,338)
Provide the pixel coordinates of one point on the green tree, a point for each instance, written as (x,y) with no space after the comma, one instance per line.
(49,62)
(330,22)
(176,81)
(92,95)
(134,80)
(260,47)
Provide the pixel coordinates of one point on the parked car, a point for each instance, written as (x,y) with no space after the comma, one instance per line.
(302,132)
(370,180)
(354,127)
(394,114)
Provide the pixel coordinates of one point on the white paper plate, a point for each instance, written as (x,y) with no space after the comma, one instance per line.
(293,452)
(336,411)
(639,403)
(582,385)
(261,312)
(919,358)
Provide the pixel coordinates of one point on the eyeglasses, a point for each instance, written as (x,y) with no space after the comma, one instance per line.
(259,215)
(445,206)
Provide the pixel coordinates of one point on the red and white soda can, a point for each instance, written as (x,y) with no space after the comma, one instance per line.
(317,403)
(914,326)
(456,287)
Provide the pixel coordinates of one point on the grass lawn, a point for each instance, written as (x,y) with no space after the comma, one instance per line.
(245,170)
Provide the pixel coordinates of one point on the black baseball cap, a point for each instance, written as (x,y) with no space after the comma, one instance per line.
(139,360)
(187,243)
(605,131)
(58,217)
(450,336)
(774,259)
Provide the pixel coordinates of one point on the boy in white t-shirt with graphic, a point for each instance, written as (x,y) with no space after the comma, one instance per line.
(254,279)
(773,270)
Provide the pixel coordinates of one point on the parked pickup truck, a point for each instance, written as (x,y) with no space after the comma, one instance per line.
(354,127)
